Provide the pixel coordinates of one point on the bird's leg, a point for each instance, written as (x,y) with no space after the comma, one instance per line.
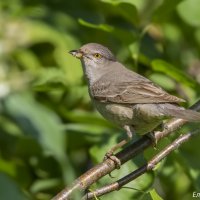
(151,135)
(109,154)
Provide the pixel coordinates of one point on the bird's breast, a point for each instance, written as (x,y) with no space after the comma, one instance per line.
(142,117)
(116,113)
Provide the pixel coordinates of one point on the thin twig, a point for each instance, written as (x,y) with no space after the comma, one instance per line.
(106,167)
(117,185)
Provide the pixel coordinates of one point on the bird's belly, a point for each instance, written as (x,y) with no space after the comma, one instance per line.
(147,117)
(133,115)
(116,113)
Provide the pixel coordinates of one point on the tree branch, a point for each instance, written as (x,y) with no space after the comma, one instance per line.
(146,167)
(106,167)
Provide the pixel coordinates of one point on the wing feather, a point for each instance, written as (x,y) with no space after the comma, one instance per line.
(138,91)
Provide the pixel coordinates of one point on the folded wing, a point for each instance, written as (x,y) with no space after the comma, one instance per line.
(131,92)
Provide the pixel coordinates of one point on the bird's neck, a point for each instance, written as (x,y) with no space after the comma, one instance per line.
(92,73)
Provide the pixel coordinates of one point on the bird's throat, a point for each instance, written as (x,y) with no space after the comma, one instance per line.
(91,72)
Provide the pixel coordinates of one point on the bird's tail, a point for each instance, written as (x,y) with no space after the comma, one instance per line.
(179,112)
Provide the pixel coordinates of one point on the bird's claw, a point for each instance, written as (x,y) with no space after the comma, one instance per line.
(153,139)
(109,155)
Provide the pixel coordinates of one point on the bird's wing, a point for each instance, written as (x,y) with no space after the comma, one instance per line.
(137,91)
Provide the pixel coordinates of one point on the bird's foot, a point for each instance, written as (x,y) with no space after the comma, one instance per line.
(153,139)
(117,162)
(165,127)
(109,155)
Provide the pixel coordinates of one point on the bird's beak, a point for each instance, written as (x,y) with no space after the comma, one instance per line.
(76,53)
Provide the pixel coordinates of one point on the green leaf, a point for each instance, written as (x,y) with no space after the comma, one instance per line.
(155,195)
(162,80)
(136,3)
(8,167)
(129,34)
(45,184)
(9,189)
(176,74)
(42,124)
(87,117)
(164,11)
(197,36)
(36,32)
(37,121)
(91,129)
(28,59)
(189,11)
(51,78)
(103,27)
(126,8)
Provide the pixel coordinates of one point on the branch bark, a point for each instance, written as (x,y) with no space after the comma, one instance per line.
(140,171)
(106,167)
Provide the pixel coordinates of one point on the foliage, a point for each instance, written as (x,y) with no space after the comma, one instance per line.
(49,132)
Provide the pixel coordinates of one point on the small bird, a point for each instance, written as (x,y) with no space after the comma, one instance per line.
(124,97)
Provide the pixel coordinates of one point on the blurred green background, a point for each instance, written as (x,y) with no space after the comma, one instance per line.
(49,131)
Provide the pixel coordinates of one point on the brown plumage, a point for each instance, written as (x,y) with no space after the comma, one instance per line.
(125,97)
(131,88)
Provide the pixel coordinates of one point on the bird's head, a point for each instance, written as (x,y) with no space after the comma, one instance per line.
(93,54)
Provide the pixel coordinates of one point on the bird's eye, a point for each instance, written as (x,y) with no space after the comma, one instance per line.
(97,55)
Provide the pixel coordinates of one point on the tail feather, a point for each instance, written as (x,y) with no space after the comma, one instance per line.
(188,115)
